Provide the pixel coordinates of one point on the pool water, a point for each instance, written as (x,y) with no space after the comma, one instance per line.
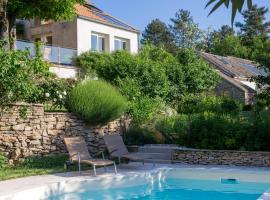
(168,186)
(184,189)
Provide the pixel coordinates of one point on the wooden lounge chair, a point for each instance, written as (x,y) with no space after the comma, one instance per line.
(118,149)
(78,152)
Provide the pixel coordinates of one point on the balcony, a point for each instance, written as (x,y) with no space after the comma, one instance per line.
(53,54)
(42,29)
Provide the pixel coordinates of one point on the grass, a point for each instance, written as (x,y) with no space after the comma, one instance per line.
(34,166)
(15,172)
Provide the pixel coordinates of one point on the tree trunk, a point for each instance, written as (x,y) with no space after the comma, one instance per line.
(4,25)
(12,31)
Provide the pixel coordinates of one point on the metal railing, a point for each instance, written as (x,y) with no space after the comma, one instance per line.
(51,54)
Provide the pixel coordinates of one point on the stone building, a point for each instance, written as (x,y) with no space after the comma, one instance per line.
(236,74)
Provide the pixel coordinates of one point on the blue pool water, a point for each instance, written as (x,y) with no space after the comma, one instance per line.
(173,189)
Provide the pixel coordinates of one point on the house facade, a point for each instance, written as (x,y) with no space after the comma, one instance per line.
(235,74)
(91,30)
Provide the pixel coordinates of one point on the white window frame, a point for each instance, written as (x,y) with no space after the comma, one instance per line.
(121,42)
(99,49)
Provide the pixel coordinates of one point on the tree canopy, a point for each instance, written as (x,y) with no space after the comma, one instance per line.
(254,25)
(187,33)
(26,9)
(158,34)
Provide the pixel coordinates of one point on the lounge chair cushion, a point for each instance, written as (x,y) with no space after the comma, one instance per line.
(98,162)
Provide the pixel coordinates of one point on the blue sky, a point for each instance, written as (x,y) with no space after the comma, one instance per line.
(139,13)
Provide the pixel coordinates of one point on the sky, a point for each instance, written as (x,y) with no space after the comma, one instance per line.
(139,13)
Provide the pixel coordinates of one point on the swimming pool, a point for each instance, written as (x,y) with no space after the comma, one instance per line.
(171,184)
(145,182)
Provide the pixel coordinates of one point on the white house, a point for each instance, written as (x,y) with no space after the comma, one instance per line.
(91,29)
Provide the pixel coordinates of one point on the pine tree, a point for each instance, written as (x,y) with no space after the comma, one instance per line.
(158,34)
(254,25)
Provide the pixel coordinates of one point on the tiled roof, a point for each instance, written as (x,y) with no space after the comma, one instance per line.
(92,13)
(82,10)
(233,67)
(237,71)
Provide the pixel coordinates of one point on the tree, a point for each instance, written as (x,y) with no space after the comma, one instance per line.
(230,45)
(158,34)
(10,10)
(224,31)
(219,35)
(186,33)
(263,82)
(254,24)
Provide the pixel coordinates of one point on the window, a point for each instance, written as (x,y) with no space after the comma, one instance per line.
(49,40)
(120,44)
(97,42)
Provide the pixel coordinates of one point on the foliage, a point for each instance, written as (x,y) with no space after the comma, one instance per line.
(151,78)
(229,46)
(254,24)
(39,9)
(137,135)
(96,102)
(217,131)
(237,6)
(56,92)
(198,76)
(3,161)
(143,109)
(191,104)
(43,9)
(154,73)
(157,33)
(28,79)
(19,77)
(185,31)
(44,162)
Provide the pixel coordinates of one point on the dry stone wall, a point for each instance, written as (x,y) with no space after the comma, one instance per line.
(211,157)
(27,130)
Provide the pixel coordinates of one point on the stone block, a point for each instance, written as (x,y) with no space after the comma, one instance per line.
(19,127)
(5,128)
(50,119)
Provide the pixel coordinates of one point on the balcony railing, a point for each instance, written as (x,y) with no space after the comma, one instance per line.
(51,54)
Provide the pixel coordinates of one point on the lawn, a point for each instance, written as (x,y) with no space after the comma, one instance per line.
(38,166)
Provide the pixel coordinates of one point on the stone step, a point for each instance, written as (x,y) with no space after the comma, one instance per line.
(146,149)
(158,161)
(162,156)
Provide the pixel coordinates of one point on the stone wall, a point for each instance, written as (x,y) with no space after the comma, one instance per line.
(229,86)
(211,157)
(27,130)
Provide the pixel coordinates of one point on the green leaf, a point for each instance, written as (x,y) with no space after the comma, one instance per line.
(249,4)
(216,6)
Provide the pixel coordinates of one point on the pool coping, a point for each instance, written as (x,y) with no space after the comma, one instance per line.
(21,185)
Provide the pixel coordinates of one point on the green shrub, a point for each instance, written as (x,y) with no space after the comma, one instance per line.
(3,161)
(96,102)
(208,103)
(218,131)
(26,79)
(174,129)
(156,73)
(44,162)
(139,136)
